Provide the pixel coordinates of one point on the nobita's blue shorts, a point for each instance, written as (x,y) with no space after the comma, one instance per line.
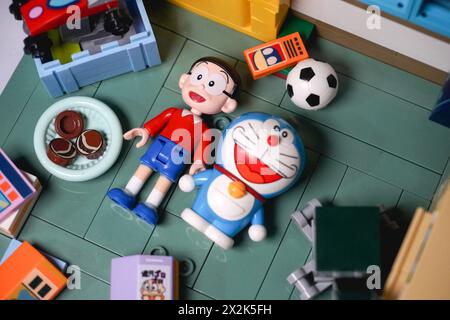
(166,157)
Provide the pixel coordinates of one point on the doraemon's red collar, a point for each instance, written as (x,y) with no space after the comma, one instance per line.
(249,189)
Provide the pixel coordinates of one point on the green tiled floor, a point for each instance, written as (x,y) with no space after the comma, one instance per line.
(373,146)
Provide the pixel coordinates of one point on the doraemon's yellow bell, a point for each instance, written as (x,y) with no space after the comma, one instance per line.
(237,189)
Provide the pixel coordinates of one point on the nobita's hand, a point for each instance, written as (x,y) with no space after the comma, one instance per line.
(137,132)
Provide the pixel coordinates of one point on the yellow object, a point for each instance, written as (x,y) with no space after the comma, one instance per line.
(237,189)
(261,19)
(421,269)
(62,51)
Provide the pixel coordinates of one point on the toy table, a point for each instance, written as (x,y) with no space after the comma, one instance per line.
(374,145)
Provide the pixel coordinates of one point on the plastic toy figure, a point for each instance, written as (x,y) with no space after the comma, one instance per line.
(208,88)
(40,16)
(259,157)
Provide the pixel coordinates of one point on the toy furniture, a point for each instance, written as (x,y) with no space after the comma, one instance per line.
(15,244)
(346,241)
(261,19)
(276,55)
(27,274)
(420,270)
(12,225)
(136,51)
(144,278)
(15,189)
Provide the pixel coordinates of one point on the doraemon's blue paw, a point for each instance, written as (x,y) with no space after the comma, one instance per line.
(146,213)
(122,198)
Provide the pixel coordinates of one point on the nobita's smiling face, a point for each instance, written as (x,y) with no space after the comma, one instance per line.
(264,151)
(209,88)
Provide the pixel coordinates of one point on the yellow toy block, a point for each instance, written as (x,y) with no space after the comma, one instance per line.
(62,51)
(261,19)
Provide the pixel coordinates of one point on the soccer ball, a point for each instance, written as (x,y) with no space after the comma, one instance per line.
(312,84)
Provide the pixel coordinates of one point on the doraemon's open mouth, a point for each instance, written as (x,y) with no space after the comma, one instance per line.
(196,97)
(252,169)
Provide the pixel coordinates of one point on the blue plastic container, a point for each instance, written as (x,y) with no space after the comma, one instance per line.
(113,60)
(398,8)
(433,15)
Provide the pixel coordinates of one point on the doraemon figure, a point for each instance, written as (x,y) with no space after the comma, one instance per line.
(259,156)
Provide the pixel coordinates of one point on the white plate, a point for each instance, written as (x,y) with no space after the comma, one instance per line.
(97,116)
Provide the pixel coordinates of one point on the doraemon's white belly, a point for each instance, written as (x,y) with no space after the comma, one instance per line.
(223,204)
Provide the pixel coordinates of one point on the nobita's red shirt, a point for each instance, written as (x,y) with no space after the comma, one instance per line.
(184,128)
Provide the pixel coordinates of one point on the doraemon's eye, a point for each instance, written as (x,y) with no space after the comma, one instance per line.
(271,126)
(286,136)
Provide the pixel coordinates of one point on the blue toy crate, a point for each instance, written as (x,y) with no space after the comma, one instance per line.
(399,8)
(113,59)
(433,15)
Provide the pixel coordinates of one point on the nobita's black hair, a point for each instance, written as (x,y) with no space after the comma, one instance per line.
(227,68)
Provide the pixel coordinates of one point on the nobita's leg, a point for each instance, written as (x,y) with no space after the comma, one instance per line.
(126,197)
(147,211)
(138,179)
(158,193)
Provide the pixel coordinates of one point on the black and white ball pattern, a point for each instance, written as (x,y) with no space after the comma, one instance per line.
(312,84)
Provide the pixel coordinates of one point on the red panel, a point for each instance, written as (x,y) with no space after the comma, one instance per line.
(39,17)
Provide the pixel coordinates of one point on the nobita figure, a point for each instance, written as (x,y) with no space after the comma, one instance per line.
(179,135)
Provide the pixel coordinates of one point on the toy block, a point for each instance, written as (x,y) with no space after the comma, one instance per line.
(27,274)
(15,189)
(12,225)
(304,218)
(15,244)
(276,55)
(144,278)
(307,286)
(347,241)
(261,19)
(296,24)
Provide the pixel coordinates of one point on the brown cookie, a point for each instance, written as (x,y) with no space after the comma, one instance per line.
(61,152)
(69,124)
(91,144)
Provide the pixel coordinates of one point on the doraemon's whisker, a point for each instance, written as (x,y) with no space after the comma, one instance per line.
(254,131)
(248,138)
(288,156)
(287,166)
(241,144)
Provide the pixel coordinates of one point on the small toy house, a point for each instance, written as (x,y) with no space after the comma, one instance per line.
(144,278)
(12,225)
(28,275)
(15,189)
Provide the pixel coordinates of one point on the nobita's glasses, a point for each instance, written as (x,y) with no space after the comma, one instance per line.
(215,84)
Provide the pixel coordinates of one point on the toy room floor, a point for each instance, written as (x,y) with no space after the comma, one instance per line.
(373,146)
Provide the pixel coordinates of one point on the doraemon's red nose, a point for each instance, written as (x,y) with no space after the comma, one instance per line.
(273,140)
